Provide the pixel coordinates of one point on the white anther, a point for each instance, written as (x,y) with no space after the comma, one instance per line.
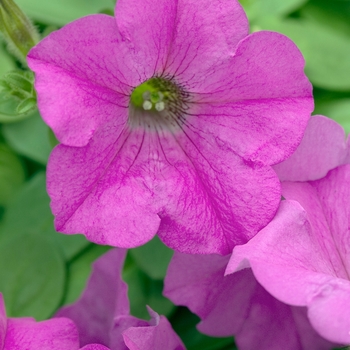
(160,106)
(147,105)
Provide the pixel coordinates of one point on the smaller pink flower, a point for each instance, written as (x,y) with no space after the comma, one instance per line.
(237,305)
(27,334)
(102,313)
(322,148)
(303,256)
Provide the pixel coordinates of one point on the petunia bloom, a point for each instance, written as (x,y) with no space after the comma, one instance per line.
(27,334)
(303,256)
(170,116)
(323,147)
(237,305)
(102,313)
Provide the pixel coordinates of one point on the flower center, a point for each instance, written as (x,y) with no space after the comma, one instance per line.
(159,100)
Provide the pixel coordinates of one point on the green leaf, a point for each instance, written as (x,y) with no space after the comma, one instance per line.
(339,110)
(326,51)
(17,95)
(8,109)
(17,29)
(29,213)
(12,174)
(26,105)
(29,138)
(145,291)
(333,14)
(60,12)
(20,81)
(32,276)
(79,271)
(153,258)
(256,9)
(6,62)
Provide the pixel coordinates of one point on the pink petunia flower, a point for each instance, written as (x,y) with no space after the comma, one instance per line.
(303,256)
(27,334)
(322,148)
(237,305)
(102,313)
(170,116)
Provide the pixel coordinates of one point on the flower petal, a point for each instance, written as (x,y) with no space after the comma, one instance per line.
(326,204)
(147,29)
(329,311)
(53,334)
(198,282)
(119,188)
(104,298)
(96,191)
(80,78)
(264,65)
(158,335)
(257,130)
(3,322)
(237,305)
(224,201)
(206,33)
(287,260)
(122,323)
(322,148)
(197,49)
(259,101)
(94,347)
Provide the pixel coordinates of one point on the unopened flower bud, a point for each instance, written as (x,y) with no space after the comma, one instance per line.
(17,29)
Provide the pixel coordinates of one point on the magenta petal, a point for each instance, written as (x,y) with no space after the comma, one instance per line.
(119,188)
(104,297)
(121,324)
(290,261)
(323,148)
(264,65)
(326,202)
(329,311)
(224,200)
(347,160)
(265,254)
(94,347)
(3,322)
(53,334)
(261,101)
(158,335)
(197,50)
(96,191)
(237,305)
(147,29)
(198,282)
(77,78)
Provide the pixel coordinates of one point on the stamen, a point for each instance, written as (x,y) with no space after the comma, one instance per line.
(147,105)
(160,106)
(164,101)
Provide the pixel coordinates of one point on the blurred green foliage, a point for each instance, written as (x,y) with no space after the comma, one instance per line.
(42,269)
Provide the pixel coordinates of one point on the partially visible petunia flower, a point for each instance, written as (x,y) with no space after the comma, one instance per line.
(27,334)
(323,147)
(170,116)
(237,305)
(102,313)
(303,256)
